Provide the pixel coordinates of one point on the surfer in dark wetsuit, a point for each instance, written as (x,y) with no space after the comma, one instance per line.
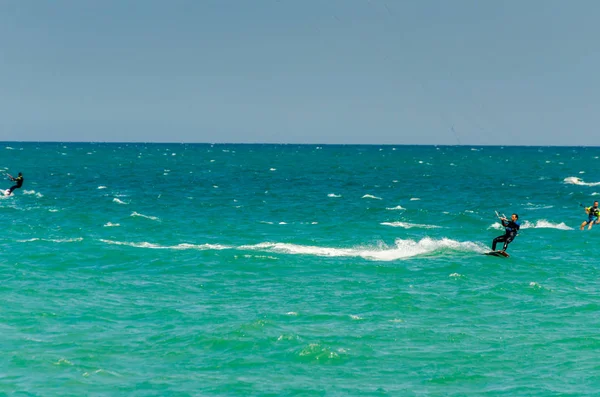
(512,228)
(593,216)
(18,180)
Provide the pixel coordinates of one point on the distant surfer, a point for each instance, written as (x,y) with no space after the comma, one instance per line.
(593,216)
(511,229)
(19,183)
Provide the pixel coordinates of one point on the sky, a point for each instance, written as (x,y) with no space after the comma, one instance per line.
(467,72)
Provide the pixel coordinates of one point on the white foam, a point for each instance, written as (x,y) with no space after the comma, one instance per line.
(184,246)
(101,187)
(573,180)
(595,194)
(406,225)
(402,249)
(9,148)
(540,224)
(63,361)
(110,224)
(33,192)
(50,240)
(544,224)
(272,169)
(396,208)
(116,200)
(370,196)
(154,218)
(534,207)
(334,195)
(259,257)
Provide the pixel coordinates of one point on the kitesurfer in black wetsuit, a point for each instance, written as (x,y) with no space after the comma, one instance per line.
(512,228)
(18,180)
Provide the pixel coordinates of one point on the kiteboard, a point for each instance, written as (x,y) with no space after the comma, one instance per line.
(498,253)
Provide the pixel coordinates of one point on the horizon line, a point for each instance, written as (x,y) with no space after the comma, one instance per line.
(290,143)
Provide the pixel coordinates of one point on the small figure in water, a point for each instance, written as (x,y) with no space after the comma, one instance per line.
(512,228)
(18,180)
(593,216)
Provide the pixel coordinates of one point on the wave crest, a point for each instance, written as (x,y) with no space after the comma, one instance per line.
(371,197)
(573,180)
(183,246)
(136,214)
(540,224)
(403,249)
(406,225)
(396,208)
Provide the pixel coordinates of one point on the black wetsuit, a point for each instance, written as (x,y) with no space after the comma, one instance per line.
(512,228)
(19,181)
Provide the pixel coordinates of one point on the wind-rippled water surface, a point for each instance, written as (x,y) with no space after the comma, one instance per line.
(173,269)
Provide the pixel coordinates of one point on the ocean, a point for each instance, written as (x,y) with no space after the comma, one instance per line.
(297,270)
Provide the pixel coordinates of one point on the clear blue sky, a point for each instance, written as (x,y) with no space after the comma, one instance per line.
(508,72)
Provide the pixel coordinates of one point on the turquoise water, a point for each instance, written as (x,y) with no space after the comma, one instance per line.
(267,270)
